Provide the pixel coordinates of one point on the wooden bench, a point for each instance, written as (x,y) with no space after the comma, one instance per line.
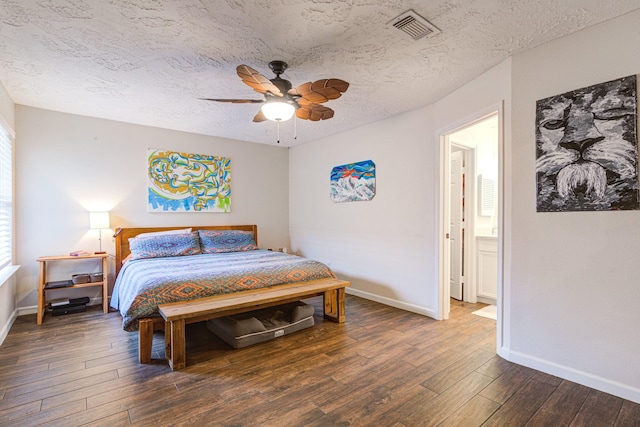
(177,315)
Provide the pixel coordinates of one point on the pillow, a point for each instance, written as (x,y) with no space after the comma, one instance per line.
(164,245)
(160,233)
(218,241)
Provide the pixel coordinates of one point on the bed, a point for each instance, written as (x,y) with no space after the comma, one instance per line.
(152,279)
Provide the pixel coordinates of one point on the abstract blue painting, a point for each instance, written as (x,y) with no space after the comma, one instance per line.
(353,182)
(184,182)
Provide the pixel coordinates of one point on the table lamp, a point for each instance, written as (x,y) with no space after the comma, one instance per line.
(99,220)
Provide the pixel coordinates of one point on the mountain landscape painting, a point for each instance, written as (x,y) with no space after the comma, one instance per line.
(353,182)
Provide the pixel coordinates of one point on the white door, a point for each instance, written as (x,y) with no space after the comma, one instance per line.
(456,226)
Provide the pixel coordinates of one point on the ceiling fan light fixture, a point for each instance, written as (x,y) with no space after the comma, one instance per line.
(278,111)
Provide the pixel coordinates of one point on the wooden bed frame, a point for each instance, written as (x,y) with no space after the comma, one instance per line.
(332,290)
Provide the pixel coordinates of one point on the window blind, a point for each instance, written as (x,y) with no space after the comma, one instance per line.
(6,197)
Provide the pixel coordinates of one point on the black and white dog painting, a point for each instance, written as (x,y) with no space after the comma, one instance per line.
(587,149)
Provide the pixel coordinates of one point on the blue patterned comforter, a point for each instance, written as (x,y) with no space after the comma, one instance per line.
(144,284)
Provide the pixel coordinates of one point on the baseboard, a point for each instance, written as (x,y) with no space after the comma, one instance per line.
(95,301)
(33,309)
(393,303)
(7,327)
(486,300)
(615,388)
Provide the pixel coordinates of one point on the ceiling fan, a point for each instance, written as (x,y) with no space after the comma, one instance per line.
(281,101)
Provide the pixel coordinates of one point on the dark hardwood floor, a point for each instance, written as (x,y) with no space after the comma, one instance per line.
(384,367)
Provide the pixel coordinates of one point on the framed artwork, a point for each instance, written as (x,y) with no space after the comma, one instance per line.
(587,148)
(353,182)
(184,182)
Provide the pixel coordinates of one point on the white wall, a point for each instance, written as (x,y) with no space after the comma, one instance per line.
(67,165)
(574,286)
(382,246)
(7,289)
(386,247)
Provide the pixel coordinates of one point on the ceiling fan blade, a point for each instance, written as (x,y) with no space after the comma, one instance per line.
(321,90)
(235,101)
(259,117)
(314,112)
(257,81)
(304,102)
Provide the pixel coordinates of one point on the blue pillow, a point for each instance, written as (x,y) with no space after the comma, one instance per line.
(166,245)
(218,241)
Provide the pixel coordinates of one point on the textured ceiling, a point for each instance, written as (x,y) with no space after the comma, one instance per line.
(148,61)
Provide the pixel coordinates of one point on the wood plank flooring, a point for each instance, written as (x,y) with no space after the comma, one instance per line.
(383,367)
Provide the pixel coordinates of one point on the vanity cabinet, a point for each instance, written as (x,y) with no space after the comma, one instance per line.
(487,268)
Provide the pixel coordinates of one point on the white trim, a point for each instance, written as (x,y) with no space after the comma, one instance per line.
(393,303)
(7,272)
(443,245)
(615,388)
(30,309)
(95,301)
(33,309)
(7,327)
(504,258)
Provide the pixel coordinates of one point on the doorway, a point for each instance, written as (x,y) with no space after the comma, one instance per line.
(470,209)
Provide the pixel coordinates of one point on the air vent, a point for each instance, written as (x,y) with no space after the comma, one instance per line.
(414,25)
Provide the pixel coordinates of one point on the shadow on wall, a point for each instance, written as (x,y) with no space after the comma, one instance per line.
(385,295)
(368,286)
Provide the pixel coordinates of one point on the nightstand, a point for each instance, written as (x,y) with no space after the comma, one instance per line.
(42,280)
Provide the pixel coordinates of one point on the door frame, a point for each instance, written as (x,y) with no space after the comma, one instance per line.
(443,249)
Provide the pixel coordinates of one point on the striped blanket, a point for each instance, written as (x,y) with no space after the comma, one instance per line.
(144,284)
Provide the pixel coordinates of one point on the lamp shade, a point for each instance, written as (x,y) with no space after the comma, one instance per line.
(99,220)
(278,111)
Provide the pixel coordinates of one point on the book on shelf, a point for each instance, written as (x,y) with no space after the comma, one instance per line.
(79,253)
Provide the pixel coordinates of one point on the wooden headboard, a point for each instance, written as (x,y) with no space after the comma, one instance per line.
(122,236)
